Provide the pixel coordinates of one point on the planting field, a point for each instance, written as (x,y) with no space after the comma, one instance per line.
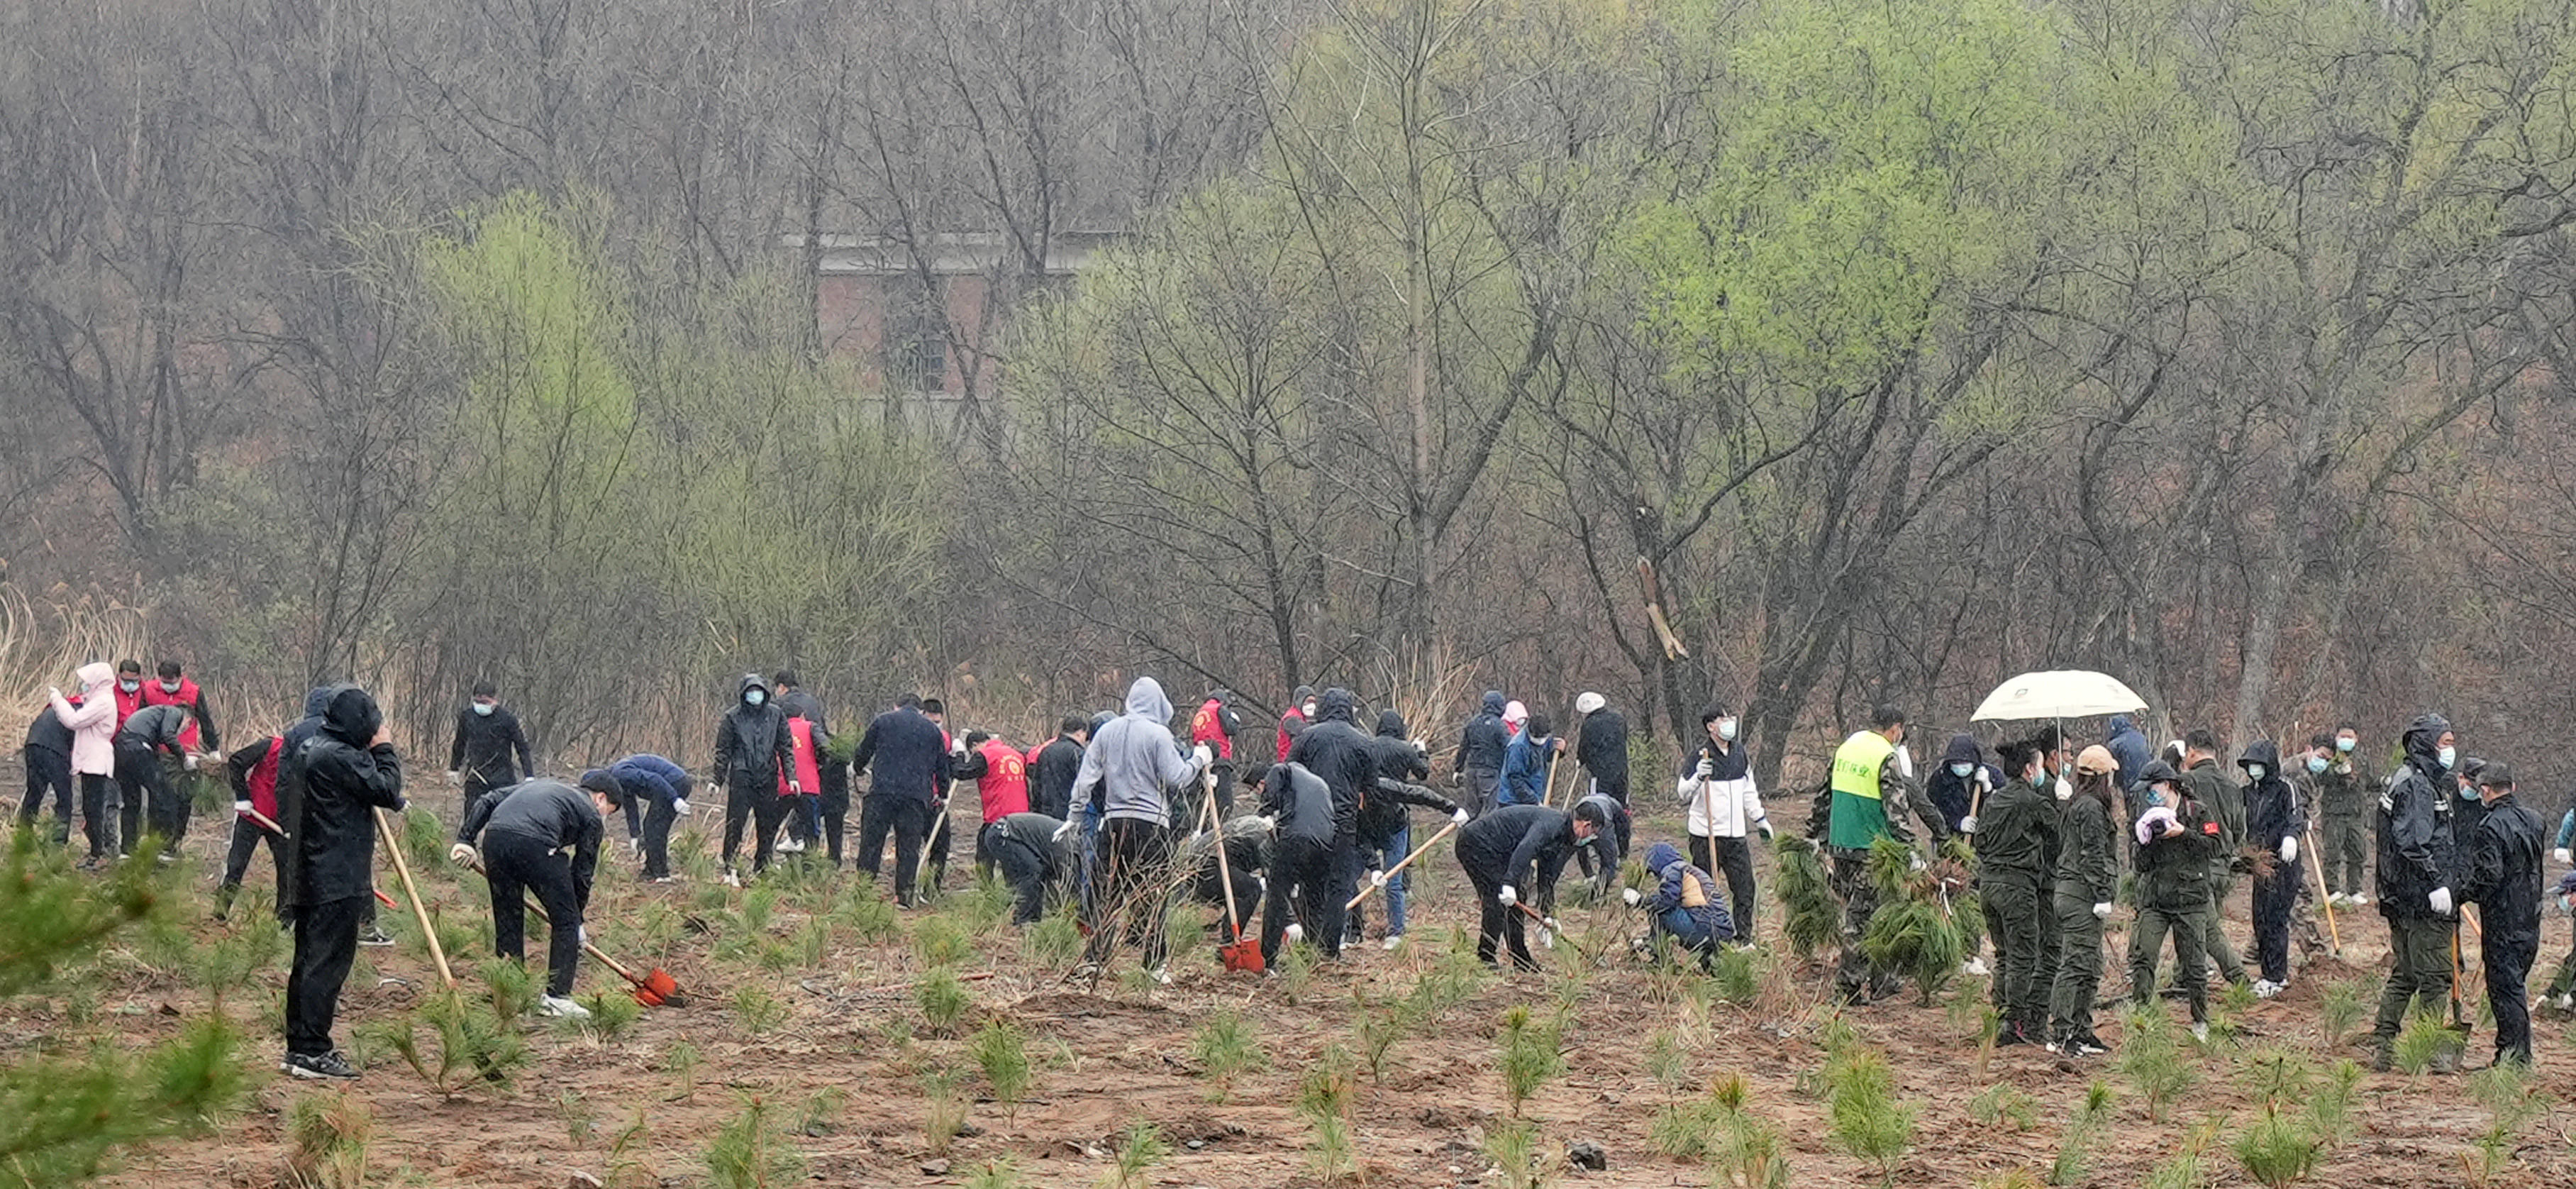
(835,1039)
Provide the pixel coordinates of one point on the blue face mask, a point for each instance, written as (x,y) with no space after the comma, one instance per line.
(2155,796)
(2254,770)
(2447,756)
(484,707)
(1962,770)
(2468,792)
(2316,763)
(754,697)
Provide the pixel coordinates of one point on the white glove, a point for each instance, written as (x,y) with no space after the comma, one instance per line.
(2289,850)
(1064,831)
(680,807)
(1547,932)
(52,692)
(1968,824)
(2441,899)
(581,933)
(1509,896)
(1296,933)
(794,789)
(1631,896)
(1460,818)
(1377,879)
(1707,770)
(1914,862)
(1204,754)
(2102,912)
(1421,746)
(2560,854)
(957,747)
(1764,825)
(1268,824)
(455,779)
(714,789)
(461,855)
(192,761)
(241,807)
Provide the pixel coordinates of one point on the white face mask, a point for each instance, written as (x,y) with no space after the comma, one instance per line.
(2254,770)
(1308,710)
(2345,743)
(169,687)
(485,707)
(2447,756)
(1962,770)
(129,686)
(1726,729)
(754,698)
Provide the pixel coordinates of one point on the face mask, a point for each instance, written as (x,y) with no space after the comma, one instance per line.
(1726,729)
(129,686)
(1309,710)
(2254,770)
(1962,770)
(2468,792)
(2447,756)
(484,707)
(754,698)
(2155,796)
(2343,744)
(2316,763)
(169,687)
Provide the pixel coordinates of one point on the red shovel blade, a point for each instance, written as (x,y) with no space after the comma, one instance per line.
(1243,954)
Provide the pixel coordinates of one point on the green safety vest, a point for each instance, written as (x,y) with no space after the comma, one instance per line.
(1860,817)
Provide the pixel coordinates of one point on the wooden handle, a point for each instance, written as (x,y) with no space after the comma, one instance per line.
(1392,872)
(419,911)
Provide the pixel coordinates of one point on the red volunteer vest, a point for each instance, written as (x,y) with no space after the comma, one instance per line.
(187,696)
(1004,786)
(263,779)
(1208,727)
(809,773)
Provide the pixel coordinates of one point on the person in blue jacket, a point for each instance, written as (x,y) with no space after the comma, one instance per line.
(662,787)
(1684,905)
(1528,763)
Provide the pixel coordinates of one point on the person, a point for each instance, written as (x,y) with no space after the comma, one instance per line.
(2015,833)
(317,706)
(1601,745)
(2128,746)
(800,788)
(487,739)
(662,786)
(1385,829)
(2566,839)
(1481,747)
(1292,721)
(1684,904)
(934,838)
(1513,848)
(1332,748)
(2501,875)
(1131,760)
(48,756)
(754,751)
(253,773)
(1306,873)
(129,690)
(1053,766)
(1723,809)
(2206,784)
(1515,717)
(2274,822)
(1529,763)
(1963,780)
(93,724)
(332,783)
(541,836)
(2413,880)
(2088,880)
(2176,838)
(148,753)
(1247,855)
(1600,855)
(1033,855)
(1215,723)
(1867,797)
(910,754)
(2561,995)
(2344,794)
(176,689)
(1001,777)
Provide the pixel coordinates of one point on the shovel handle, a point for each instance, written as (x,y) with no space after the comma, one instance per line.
(1407,861)
(263,821)
(419,911)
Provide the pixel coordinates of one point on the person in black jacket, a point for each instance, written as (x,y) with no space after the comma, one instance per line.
(2275,819)
(527,831)
(1481,744)
(805,821)
(1034,853)
(1600,855)
(49,766)
(1512,848)
(253,771)
(1053,767)
(2413,874)
(317,701)
(1601,745)
(910,753)
(1385,829)
(1303,859)
(487,739)
(2502,877)
(754,752)
(1333,748)
(148,747)
(337,777)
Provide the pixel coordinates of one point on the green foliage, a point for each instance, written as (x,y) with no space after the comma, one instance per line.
(514,990)
(1918,938)
(938,940)
(2424,1043)
(943,1095)
(68,1117)
(2278,1151)
(752,1150)
(1226,1047)
(1736,975)
(758,1011)
(998,1173)
(943,999)
(579,1119)
(1722,1130)
(1865,1118)
(2345,1004)
(2187,1168)
(2152,1058)
(1528,1053)
(2002,1104)
(682,1058)
(1814,918)
(1001,1051)
(1518,1152)
(473,1043)
(2505,1089)
(2083,1130)
(1324,1097)
(54,918)
(326,1140)
(1139,1151)
(1053,941)
(869,917)
(1668,1058)
(612,1013)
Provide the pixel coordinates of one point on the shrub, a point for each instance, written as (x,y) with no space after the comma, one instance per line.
(752,1151)
(1226,1047)
(943,1000)
(1866,1121)
(2075,1148)
(2277,1152)
(1528,1054)
(326,1141)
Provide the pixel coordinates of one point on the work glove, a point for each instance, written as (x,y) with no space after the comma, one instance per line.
(713,789)
(1707,770)
(1509,896)
(1914,862)
(461,855)
(1377,879)
(192,762)
(2289,850)
(52,692)
(1204,754)
(2560,854)
(2567,905)
(794,789)
(680,807)
(455,779)
(1421,746)
(1764,825)
(1268,824)
(2441,901)
(1296,933)
(581,933)
(1459,817)
(1067,830)
(242,807)
(2102,912)
(1968,824)
(1632,896)
(1547,931)
(957,747)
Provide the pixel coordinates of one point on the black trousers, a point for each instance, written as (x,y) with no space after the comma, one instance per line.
(936,833)
(99,812)
(1497,926)
(513,864)
(2508,964)
(141,787)
(1022,869)
(1734,863)
(247,836)
(908,820)
(49,770)
(835,807)
(1313,880)
(1127,888)
(753,800)
(634,818)
(657,837)
(326,941)
(473,788)
(2273,900)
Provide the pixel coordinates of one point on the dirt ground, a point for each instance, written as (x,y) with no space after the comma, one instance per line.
(852,1060)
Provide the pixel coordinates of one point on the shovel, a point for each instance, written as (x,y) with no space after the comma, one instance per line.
(656,989)
(1242,953)
(1398,869)
(419,911)
(2325,901)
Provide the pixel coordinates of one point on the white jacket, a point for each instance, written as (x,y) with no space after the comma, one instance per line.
(1736,805)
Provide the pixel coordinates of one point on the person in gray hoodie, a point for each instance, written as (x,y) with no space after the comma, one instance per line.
(1131,761)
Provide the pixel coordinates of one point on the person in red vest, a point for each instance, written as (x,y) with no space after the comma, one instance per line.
(1293,723)
(254,778)
(1000,773)
(1216,724)
(129,690)
(175,689)
(800,787)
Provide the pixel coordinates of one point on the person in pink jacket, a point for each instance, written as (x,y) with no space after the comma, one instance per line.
(93,727)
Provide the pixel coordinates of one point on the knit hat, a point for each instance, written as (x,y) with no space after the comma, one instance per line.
(1588,701)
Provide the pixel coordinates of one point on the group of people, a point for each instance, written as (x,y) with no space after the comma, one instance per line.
(125,751)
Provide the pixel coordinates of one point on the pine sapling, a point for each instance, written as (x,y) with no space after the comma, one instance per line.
(1002,1052)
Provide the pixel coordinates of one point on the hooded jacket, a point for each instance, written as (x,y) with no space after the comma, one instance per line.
(2222,800)
(2503,875)
(2413,856)
(1134,758)
(93,723)
(752,742)
(2173,870)
(1399,769)
(1292,722)
(1333,748)
(910,753)
(1728,793)
(485,744)
(46,732)
(2088,849)
(1601,746)
(2273,809)
(1052,769)
(1683,886)
(1300,802)
(341,777)
(1955,796)
(2129,749)
(1482,741)
(550,813)
(799,704)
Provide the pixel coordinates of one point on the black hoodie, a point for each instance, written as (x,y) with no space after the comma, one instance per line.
(1333,748)
(752,742)
(2273,810)
(550,813)
(1601,746)
(2414,850)
(1399,766)
(1482,743)
(1954,795)
(343,776)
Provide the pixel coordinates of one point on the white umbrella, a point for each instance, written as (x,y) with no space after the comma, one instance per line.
(2058,694)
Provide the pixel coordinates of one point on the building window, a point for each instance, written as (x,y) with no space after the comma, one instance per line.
(917,350)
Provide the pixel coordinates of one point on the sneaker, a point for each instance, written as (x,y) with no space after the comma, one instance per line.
(1973,968)
(790,846)
(1162,976)
(2200,1032)
(2086,1046)
(2051,1046)
(634,846)
(1394,941)
(2265,988)
(557,1005)
(375,937)
(662,879)
(2565,1002)
(165,858)
(92,863)
(2360,900)
(732,878)
(329,1067)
